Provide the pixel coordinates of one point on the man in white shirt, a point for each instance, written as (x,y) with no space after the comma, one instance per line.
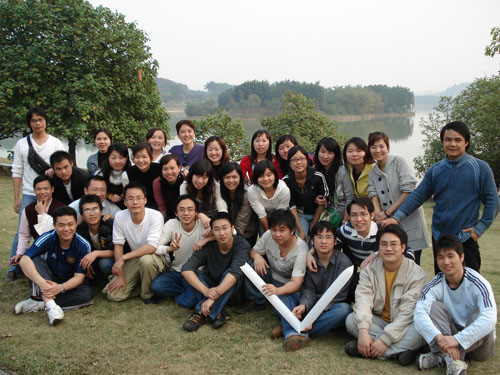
(141,228)
(23,174)
(96,185)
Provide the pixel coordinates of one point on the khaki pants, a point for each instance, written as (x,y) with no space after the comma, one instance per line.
(139,274)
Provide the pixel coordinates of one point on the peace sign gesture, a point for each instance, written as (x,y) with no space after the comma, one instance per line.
(175,244)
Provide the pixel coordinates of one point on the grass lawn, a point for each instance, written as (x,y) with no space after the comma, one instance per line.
(132,338)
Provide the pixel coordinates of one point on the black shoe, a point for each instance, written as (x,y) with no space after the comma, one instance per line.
(351,349)
(221,319)
(150,301)
(11,277)
(195,321)
(250,306)
(408,357)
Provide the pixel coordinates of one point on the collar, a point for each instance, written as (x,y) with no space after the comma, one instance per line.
(373,231)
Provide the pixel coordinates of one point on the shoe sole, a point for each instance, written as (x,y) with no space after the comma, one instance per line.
(56,322)
(293,345)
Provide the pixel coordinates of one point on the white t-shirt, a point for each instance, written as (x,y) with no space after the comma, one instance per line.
(294,264)
(20,166)
(170,229)
(262,205)
(137,235)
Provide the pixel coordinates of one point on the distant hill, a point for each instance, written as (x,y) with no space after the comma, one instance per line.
(432,100)
(171,91)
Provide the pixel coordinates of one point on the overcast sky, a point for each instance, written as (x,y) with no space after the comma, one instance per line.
(426,45)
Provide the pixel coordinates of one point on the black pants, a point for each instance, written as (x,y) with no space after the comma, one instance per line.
(472,258)
(72,298)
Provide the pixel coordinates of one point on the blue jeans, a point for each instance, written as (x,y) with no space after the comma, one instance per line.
(106,266)
(171,284)
(305,222)
(25,201)
(330,319)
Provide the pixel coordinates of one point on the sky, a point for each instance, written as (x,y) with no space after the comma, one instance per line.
(426,45)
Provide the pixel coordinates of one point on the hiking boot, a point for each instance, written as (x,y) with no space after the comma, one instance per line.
(195,321)
(295,342)
(221,319)
(407,357)
(351,349)
(27,306)
(456,367)
(429,360)
(277,332)
(249,307)
(55,315)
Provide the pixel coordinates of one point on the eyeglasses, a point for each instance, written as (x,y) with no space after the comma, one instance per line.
(134,199)
(298,160)
(186,209)
(392,245)
(93,210)
(36,121)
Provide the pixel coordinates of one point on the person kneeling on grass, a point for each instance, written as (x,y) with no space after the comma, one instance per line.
(331,263)
(456,312)
(221,276)
(57,282)
(386,295)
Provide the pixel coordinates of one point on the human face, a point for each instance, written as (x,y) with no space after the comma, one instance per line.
(186,211)
(170,171)
(43,191)
(284,148)
(450,263)
(214,152)
(379,151)
(65,227)
(298,162)
(266,180)
(261,145)
(135,200)
(157,141)
(91,213)
(142,160)
(355,156)
(117,161)
(186,135)
(98,188)
(38,123)
(231,181)
(199,181)
(324,241)
(390,248)
(454,144)
(63,170)
(102,142)
(281,234)
(361,219)
(325,157)
(223,231)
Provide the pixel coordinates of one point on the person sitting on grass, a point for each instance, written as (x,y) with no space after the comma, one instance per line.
(386,295)
(221,276)
(331,263)
(456,312)
(57,280)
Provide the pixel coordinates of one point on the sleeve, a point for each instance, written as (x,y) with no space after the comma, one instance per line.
(219,202)
(255,203)
(363,306)
(308,292)
(276,164)
(321,184)
(246,165)
(24,234)
(299,266)
(416,198)
(261,244)
(421,317)
(344,190)
(83,249)
(118,231)
(240,257)
(45,223)
(244,215)
(155,228)
(283,197)
(407,182)
(40,246)
(372,185)
(198,259)
(17,163)
(490,199)
(158,195)
(125,180)
(183,188)
(292,202)
(165,237)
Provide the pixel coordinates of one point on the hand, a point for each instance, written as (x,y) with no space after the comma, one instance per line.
(379,216)
(311,262)
(106,217)
(51,289)
(364,343)
(205,220)
(49,172)
(269,290)
(117,284)
(185,172)
(115,198)
(207,232)
(389,221)
(454,353)
(205,306)
(301,234)
(368,260)
(212,293)
(320,200)
(260,265)
(472,232)
(88,259)
(174,244)
(41,207)
(198,245)
(14,261)
(90,273)
(117,267)
(17,206)
(378,348)
(298,311)
(446,342)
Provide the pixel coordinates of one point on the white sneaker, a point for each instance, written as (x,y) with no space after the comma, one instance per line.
(457,367)
(55,315)
(429,360)
(27,306)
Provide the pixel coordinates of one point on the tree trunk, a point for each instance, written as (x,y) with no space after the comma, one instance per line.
(72,149)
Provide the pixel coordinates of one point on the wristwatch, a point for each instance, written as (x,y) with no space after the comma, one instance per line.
(62,288)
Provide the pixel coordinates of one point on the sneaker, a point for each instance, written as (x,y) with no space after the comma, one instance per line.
(408,357)
(457,367)
(195,321)
(295,342)
(55,315)
(221,319)
(27,306)
(277,332)
(429,360)
(351,349)
(249,307)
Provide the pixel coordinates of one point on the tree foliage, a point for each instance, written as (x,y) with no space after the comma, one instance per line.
(494,47)
(222,124)
(86,66)
(301,119)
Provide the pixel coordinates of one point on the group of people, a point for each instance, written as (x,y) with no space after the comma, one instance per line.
(179,225)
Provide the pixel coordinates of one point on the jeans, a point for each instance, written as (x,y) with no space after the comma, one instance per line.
(171,284)
(305,222)
(25,201)
(106,266)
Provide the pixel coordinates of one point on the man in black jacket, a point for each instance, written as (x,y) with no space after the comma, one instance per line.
(68,180)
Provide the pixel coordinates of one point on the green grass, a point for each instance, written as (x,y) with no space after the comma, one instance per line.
(132,338)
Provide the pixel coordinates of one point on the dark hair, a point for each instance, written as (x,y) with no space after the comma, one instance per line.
(460,128)
(167,158)
(105,131)
(296,149)
(143,146)
(448,241)
(63,211)
(151,132)
(321,226)
(374,137)
(359,143)
(284,164)
(35,110)
(393,229)
(185,122)
(331,145)
(121,149)
(363,202)
(86,199)
(184,197)
(59,156)
(260,168)
(42,178)
(282,217)
(220,216)
(225,155)
(240,190)
(202,167)
(253,153)
(94,178)
(135,185)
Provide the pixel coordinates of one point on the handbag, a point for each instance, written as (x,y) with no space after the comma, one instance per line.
(331,215)
(35,161)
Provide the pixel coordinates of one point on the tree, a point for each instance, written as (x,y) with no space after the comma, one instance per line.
(300,118)
(86,66)
(221,124)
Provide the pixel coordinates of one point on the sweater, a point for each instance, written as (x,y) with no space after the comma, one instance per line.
(247,165)
(303,198)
